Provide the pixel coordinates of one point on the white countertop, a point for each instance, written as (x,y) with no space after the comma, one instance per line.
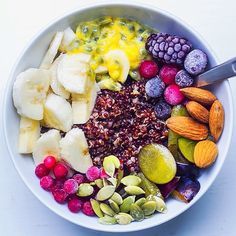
(21,214)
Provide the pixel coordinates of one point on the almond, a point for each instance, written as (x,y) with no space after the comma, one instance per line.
(187,127)
(197,111)
(199,95)
(216,119)
(205,153)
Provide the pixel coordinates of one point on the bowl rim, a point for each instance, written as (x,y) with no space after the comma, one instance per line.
(144,6)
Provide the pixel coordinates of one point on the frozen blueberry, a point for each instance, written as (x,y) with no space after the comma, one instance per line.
(183,79)
(154,87)
(195,62)
(162,110)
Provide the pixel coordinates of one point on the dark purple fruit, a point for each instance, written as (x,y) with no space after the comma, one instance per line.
(183,79)
(162,110)
(187,170)
(167,189)
(155,87)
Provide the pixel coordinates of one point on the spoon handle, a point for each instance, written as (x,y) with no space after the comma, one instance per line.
(217,73)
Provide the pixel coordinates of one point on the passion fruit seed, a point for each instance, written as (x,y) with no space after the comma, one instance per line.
(140,201)
(123,218)
(131,180)
(149,207)
(114,206)
(107,220)
(85,190)
(125,206)
(105,193)
(136,212)
(99,183)
(106,209)
(134,190)
(96,207)
(117,198)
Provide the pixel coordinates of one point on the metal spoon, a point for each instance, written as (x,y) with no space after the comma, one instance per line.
(217,73)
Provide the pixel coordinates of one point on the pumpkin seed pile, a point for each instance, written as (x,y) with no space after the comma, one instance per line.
(137,199)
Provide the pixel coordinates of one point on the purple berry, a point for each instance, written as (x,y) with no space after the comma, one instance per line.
(59,195)
(75,205)
(87,209)
(47,182)
(162,110)
(195,62)
(155,87)
(173,95)
(183,79)
(79,178)
(93,173)
(70,186)
(148,69)
(41,170)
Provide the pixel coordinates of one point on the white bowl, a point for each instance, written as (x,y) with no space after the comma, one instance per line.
(32,56)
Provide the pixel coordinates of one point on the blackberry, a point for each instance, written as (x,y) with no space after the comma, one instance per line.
(168,48)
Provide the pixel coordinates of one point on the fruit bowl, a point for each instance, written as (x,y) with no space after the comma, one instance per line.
(32,56)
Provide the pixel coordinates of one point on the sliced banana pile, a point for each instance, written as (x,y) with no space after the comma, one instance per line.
(62,92)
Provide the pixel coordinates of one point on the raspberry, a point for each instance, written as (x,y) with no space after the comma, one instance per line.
(93,173)
(75,205)
(168,73)
(79,178)
(154,87)
(60,171)
(183,79)
(195,62)
(46,182)
(70,186)
(41,170)
(87,209)
(172,95)
(162,110)
(148,69)
(50,162)
(59,195)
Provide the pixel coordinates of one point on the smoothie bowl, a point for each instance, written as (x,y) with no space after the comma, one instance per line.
(104,124)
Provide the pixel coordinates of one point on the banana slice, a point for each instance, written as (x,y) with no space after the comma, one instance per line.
(28,135)
(52,51)
(73,72)
(74,150)
(56,86)
(118,65)
(57,113)
(82,105)
(29,92)
(67,39)
(47,144)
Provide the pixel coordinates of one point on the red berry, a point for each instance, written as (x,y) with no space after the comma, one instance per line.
(148,69)
(46,182)
(87,209)
(41,170)
(79,178)
(103,174)
(59,195)
(168,73)
(173,95)
(60,171)
(70,186)
(75,205)
(93,173)
(50,162)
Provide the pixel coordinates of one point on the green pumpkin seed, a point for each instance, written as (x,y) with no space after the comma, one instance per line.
(123,218)
(136,212)
(161,206)
(140,201)
(114,206)
(149,207)
(134,190)
(107,220)
(131,180)
(106,209)
(104,182)
(92,183)
(85,190)
(105,192)
(117,198)
(110,163)
(113,181)
(125,206)
(96,207)
(120,174)
(99,183)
